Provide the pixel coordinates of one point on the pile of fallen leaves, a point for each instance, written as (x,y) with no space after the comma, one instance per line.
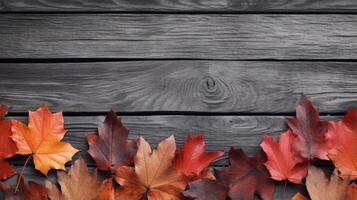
(135,171)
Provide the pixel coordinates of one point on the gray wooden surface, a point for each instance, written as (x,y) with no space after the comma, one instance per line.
(201,86)
(232,69)
(169,36)
(179,6)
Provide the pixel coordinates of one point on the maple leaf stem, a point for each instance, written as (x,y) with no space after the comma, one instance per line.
(21,174)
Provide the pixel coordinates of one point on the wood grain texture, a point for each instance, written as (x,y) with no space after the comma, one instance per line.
(221,132)
(203,86)
(164,36)
(179,6)
(32,175)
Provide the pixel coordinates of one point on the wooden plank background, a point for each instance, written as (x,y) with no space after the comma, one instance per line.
(193,6)
(178,36)
(232,69)
(179,86)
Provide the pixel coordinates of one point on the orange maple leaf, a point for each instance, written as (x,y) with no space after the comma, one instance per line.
(42,140)
(7,146)
(344,153)
(107,191)
(154,174)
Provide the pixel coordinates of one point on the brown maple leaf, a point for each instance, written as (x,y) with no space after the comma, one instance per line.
(77,184)
(312,141)
(32,191)
(111,149)
(205,189)
(321,188)
(7,146)
(154,174)
(246,176)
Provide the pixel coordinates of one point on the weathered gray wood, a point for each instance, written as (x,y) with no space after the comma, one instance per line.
(32,175)
(180,6)
(178,36)
(207,86)
(221,132)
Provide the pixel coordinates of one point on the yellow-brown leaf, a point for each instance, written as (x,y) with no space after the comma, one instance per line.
(154,174)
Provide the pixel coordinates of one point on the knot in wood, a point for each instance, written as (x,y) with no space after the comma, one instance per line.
(214,90)
(210,83)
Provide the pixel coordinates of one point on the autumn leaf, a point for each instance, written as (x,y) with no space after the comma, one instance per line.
(312,141)
(107,191)
(77,184)
(42,140)
(32,191)
(246,176)
(321,188)
(284,163)
(111,149)
(192,160)
(7,146)
(154,174)
(352,192)
(205,189)
(3,110)
(299,196)
(344,153)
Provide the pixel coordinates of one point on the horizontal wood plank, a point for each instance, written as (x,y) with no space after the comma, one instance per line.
(164,36)
(31,174)
(202,86)
(179,6)
(221,132)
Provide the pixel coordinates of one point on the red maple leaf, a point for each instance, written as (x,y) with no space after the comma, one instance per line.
(344,153)
(284,163)
(192,159)
(246,176)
